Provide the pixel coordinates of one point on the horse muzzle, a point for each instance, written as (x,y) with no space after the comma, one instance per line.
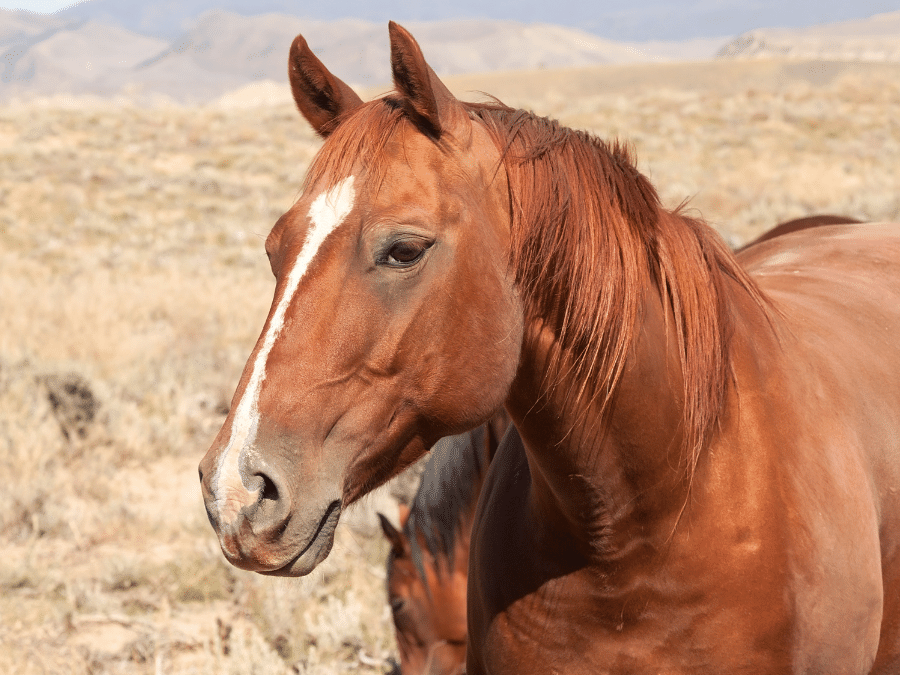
(261,523)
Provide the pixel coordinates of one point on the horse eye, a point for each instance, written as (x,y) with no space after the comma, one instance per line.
(397,604)
(406,252)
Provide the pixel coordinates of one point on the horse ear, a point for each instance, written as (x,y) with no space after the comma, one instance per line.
(320,96)
(426,99)
(392,533)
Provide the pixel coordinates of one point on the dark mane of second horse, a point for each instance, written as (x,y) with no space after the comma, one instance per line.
(445,501)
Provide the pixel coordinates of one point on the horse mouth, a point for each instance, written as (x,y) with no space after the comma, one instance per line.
(316,549)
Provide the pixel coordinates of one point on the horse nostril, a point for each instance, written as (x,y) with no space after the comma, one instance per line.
(265,489)
(266,484)
(270,489)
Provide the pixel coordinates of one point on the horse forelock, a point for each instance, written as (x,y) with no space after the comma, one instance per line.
(360,140)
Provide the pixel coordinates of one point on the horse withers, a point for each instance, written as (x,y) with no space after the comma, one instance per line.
(706,475)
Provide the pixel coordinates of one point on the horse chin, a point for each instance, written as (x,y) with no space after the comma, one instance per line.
(312,553)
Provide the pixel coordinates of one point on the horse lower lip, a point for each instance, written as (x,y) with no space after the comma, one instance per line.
(309,556)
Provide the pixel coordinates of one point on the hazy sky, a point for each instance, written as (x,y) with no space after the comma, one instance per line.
(36,5)
(614,19)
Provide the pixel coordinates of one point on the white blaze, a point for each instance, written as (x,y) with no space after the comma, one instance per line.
(326,213)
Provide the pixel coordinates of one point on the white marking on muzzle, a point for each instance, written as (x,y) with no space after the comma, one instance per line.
(326,213)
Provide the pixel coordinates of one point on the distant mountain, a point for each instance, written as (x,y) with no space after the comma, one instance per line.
(874,39)
(46,54)
(222,51)
(621,20)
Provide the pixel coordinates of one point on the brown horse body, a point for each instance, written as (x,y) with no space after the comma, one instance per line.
(784,557)
(706,473)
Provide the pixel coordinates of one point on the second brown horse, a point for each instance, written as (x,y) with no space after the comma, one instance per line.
(427,568)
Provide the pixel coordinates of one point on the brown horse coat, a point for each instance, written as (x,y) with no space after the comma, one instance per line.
(426,590)
(785,556)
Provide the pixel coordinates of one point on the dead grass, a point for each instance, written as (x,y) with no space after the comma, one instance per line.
(131,268)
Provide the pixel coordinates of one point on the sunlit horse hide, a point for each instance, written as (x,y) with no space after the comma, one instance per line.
(706,475)
(427,568)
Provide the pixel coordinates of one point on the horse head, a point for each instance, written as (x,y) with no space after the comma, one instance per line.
(378,341)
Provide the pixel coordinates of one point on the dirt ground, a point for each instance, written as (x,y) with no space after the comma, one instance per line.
(133,285)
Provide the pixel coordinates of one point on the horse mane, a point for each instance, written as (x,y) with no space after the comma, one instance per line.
(446,497)
(589,237)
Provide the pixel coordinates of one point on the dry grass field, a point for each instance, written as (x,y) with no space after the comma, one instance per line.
(133,285)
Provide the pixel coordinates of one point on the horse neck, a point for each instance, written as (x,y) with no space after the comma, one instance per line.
(602,464)
(590,469)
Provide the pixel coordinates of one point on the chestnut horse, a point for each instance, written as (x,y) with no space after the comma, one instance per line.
(427,568)
(706,474)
